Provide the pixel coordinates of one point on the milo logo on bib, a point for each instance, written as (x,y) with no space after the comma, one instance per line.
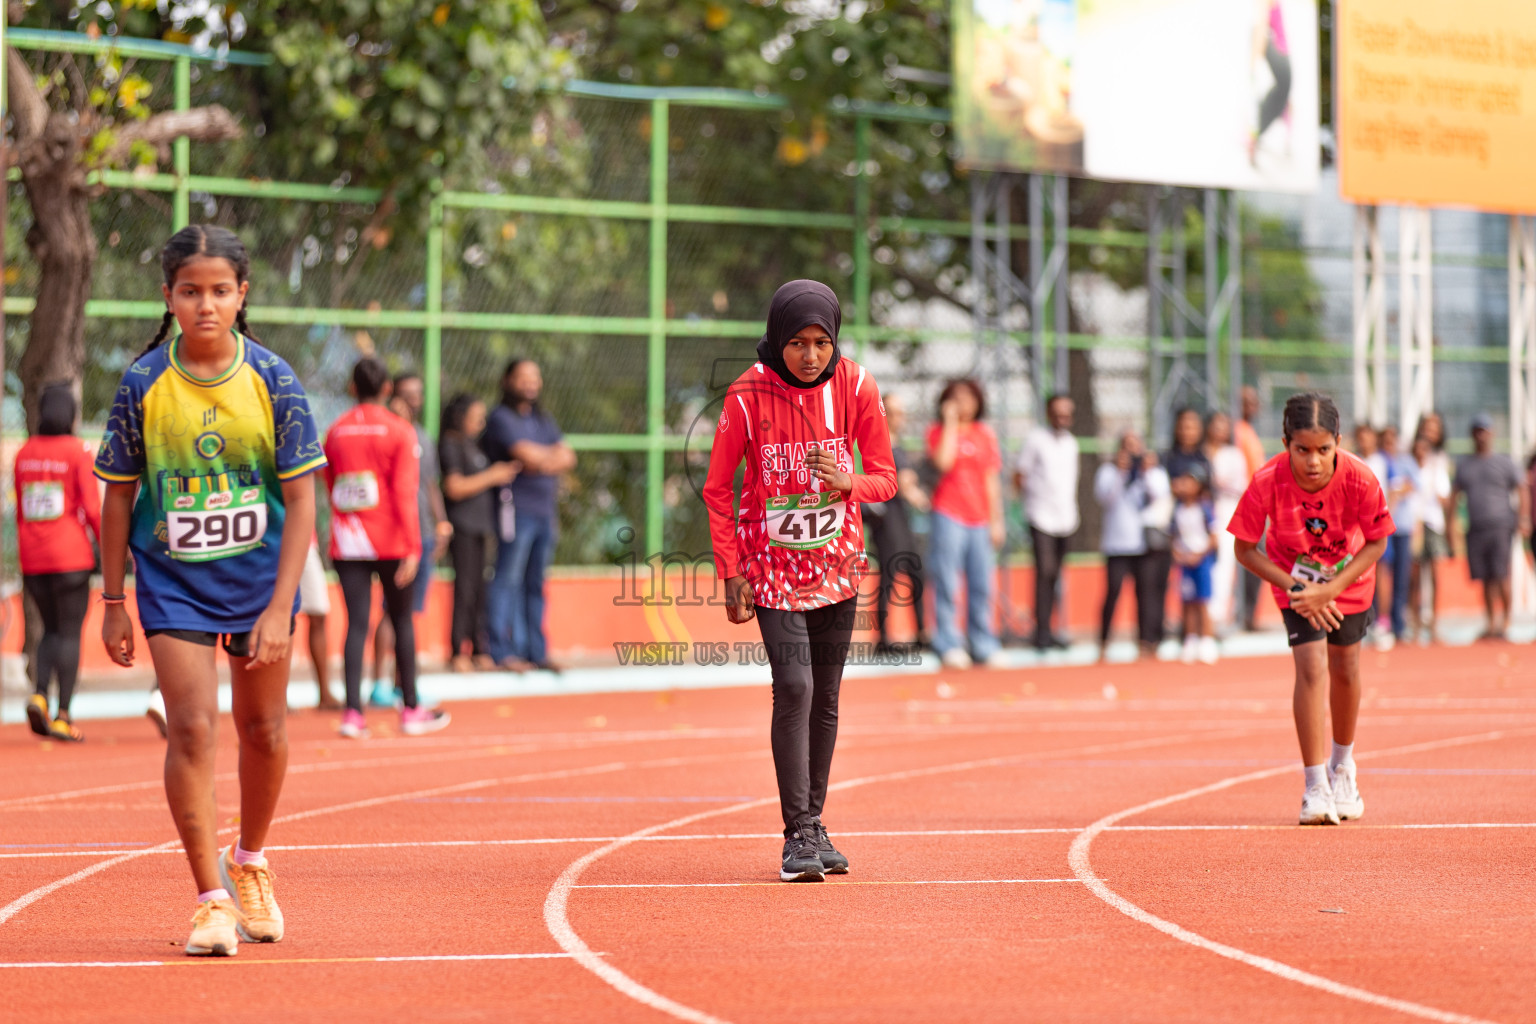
(805,521)
(201,527)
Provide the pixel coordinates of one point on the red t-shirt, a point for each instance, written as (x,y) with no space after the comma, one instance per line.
(56,500)
(961,493)
(372,468)
(1311,536)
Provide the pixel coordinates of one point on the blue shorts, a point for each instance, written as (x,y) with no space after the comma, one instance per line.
(1195,584)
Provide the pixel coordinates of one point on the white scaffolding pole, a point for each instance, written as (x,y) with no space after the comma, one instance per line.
(1416,366)
(1522,380)
(1370,316)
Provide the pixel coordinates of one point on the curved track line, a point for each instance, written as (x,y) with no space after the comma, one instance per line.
(1077,857)
(558,921)
(21,903)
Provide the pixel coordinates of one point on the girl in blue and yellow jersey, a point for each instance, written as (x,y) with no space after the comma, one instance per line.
(207,458)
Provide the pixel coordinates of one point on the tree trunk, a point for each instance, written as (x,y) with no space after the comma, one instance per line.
(63,241)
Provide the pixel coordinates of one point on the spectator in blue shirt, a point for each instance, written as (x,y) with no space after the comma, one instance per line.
(527,522)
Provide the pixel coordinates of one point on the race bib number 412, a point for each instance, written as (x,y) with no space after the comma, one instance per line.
(217,524)
(805,520)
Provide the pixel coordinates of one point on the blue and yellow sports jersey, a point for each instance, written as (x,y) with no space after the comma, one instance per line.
(211,457)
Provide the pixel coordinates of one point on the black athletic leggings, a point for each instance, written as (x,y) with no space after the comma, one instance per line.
(468,551)
(1117,569)
(806,651)
(1273,104)
(62,599)
(1050,553)
(356,579)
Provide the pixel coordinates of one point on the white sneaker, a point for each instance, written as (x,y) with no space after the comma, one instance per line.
(1191,650)
(1346,795)
(1317,807)
(156,711)
(955,658)
(995,660)
(1385,641)
(1209,652)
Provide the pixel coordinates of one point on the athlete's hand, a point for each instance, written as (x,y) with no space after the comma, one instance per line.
(271,636)
(117,634)
(407,570)
(739,606)
(823,466)
(1315,603)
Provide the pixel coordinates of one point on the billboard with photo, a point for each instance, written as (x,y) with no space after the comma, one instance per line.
(1432,102)
(1213,93)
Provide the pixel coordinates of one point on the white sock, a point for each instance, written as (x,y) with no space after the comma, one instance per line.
(1343,753)
(1317,775)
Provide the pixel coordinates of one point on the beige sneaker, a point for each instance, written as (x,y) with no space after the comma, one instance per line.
(213,929)
(251,886)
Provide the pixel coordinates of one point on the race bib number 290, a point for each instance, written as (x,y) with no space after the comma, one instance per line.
(805,520)
(217,524)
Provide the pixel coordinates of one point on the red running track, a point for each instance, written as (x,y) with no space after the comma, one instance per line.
(1023,848)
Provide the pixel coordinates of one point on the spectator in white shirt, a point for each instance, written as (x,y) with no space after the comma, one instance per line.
(1229,479)
(1124,488)
(1430,499)
(1047,477)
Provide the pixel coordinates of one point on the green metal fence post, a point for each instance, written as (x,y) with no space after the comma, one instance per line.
(432,348)
(656,349)
(861,317)
(181,207)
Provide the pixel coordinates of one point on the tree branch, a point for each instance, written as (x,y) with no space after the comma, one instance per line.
(201,124)
(27,105)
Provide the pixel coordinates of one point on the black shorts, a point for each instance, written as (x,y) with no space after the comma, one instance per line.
(1353,629)
(1488,554)
(236,645)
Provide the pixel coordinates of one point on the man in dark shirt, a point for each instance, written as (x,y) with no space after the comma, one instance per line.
(527,523)
(1494,493)
(890,532)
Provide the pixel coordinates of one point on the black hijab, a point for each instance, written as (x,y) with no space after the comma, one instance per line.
(796,305)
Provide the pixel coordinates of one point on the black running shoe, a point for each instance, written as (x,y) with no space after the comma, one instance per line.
(802,861)
(832,862)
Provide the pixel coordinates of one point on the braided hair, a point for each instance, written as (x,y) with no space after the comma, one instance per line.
(192,242)
(1309,411)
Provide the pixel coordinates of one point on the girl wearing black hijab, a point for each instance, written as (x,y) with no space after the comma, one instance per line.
(794,555)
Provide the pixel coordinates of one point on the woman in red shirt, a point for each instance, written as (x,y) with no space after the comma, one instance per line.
(372,466)
(57,502)
(966,528)
(1328,525)
(794,554)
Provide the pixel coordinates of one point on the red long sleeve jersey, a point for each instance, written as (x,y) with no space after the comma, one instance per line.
(372,469)
(56,501)
(798,545)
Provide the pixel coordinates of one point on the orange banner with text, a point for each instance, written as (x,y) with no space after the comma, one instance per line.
(1437,102)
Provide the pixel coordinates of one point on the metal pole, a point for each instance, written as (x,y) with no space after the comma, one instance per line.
(656,348)
(1154,313)
(978,259)
(1179,265)
(861,312)
(1002,293)
(432,342)
(1038,293)
(1522,380)
(1212,303)
(1361,276)
(181,202)
(1415,313)
(1059,294)
(1235,318)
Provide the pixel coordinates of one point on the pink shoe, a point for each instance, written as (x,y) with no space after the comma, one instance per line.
(419,721)
(353,726)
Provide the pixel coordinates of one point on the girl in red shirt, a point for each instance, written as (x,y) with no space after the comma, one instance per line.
(372,466)
(1328,525)
(58,512)
(794,554)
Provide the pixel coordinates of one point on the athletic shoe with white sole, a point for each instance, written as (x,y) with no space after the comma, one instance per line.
(1317,807)
(955,658)
(419,721)
(156,710)
(832,862)
(213,929)
(1209,652)
(1346,795)
(1190,652)
(802,860)
(353,725)
(260,919)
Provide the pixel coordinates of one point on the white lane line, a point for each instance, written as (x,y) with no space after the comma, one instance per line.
(837,884)
(757,836)
(557,918)
(19,904)
(1082,867)
(233,962)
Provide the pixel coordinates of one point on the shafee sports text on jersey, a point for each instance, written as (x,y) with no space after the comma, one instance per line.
(211,457)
